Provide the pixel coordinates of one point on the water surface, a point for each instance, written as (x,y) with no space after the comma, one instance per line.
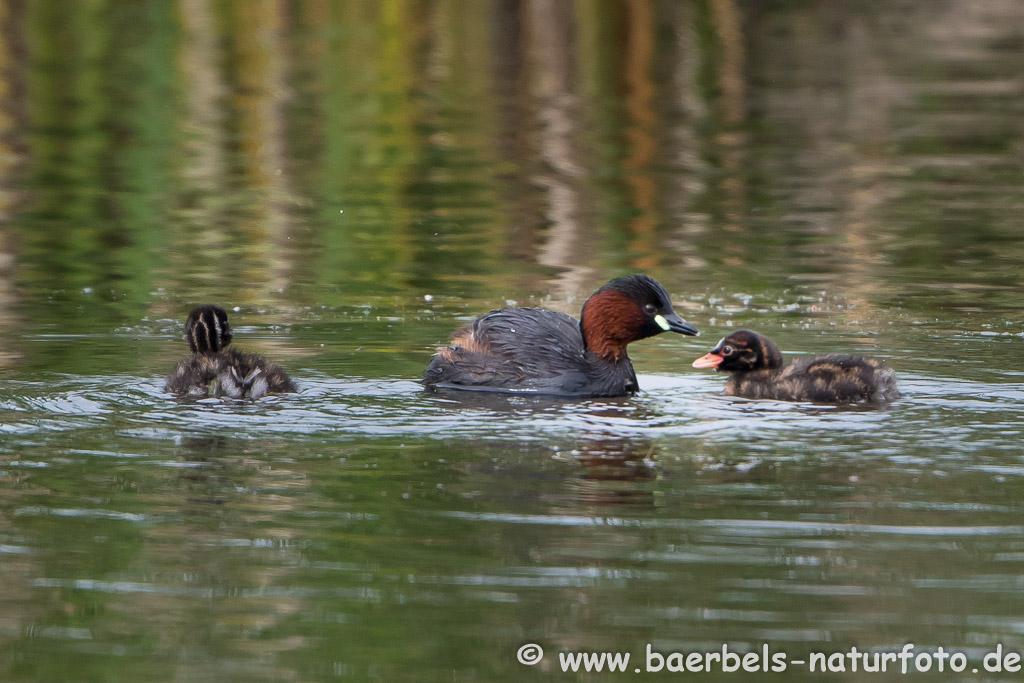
(353,181)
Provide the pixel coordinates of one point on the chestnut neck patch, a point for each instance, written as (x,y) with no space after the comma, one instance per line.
(610,321)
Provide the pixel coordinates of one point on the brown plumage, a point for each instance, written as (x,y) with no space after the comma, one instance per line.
(758,372)
(215,370)
(532,350)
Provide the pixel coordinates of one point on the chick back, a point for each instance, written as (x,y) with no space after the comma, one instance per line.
(228,373)
(820,379)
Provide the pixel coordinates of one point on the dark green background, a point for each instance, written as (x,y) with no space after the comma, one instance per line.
(357,179)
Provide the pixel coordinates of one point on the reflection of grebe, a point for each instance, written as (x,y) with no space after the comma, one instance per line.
(615,458)
(545,352)
(758,372)
(215,370)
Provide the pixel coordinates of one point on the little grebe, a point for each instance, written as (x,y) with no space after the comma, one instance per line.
(758,372)
(215,370)
(532,350)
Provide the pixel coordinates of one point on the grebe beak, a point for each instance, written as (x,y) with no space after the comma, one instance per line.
(673,323)
(708,360)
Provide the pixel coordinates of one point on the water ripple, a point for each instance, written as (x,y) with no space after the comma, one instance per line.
(683,406)
(741,527)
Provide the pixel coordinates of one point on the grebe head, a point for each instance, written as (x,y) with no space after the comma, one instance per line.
(625,310)
(207,329)
(742,351)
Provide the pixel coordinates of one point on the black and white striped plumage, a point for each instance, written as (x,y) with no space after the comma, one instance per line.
(213,370)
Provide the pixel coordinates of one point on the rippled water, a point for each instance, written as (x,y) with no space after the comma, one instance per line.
(364,528)
(353,181)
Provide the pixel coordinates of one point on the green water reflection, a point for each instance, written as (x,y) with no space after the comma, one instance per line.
(356,179)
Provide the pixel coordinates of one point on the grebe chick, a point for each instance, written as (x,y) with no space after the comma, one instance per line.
(215,370)
(533,350)
(758,372)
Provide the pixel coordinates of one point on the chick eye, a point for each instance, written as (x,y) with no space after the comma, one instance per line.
(650,309)
(727,350)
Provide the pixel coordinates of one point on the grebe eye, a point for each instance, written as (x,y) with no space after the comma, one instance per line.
(650,309)
(727,350)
